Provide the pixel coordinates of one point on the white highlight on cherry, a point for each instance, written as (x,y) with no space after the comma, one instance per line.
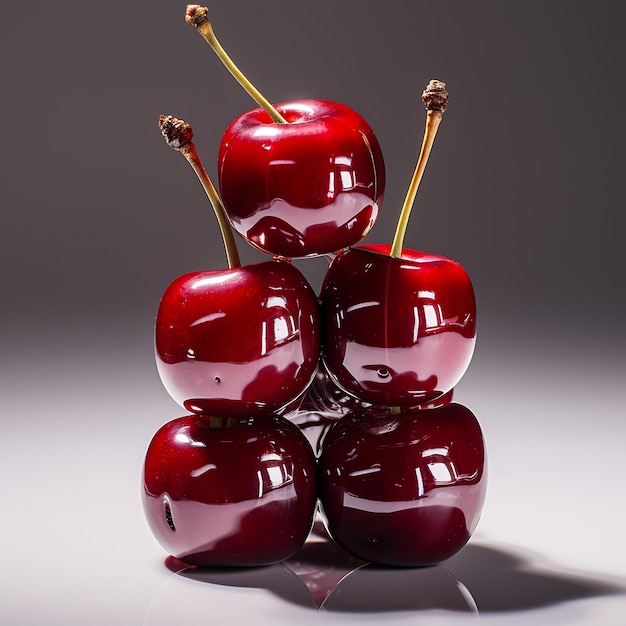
(202,470)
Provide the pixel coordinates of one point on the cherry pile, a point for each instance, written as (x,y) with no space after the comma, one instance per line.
(299,404)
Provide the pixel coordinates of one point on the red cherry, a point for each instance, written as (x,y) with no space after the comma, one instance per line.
(403,489)
(230,492)
(311,186)
(238,342)
(397,331)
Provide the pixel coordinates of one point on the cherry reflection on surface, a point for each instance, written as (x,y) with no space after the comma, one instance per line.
(320,576)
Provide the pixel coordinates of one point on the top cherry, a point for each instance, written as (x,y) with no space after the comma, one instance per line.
(297,179)
(311,186)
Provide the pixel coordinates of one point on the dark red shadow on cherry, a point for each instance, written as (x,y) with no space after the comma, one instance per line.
(273,233)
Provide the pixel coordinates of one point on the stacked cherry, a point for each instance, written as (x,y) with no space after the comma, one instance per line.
(256,357)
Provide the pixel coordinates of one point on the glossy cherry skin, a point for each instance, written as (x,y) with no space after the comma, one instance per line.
(396,331)
(403,489)
(325,396)
(238,342)
(324,403)
(228,491)
(308,187)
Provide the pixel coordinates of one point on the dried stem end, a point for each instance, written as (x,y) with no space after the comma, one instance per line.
(196,14)
(177,133)
(435,96)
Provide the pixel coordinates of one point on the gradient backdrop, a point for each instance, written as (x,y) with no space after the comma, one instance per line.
(524,188)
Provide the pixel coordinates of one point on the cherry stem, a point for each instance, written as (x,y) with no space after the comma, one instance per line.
(435,98)
(196,15)
(178,135)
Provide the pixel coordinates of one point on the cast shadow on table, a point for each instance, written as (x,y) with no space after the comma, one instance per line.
(479,579)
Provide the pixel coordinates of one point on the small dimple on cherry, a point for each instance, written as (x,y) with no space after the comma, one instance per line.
(167,509)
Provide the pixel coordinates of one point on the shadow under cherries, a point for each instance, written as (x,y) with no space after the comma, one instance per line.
(502,580)
(479,579)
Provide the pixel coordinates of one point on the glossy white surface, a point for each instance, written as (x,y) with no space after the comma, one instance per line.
(548,550)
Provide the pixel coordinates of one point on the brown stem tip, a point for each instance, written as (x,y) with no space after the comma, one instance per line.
(176,133)
(435,96)
(196,14)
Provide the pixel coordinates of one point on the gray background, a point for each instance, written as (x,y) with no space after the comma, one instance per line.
(524,188)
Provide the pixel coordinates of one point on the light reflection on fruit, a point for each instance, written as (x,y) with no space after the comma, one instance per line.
(403,489)
(364,372)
